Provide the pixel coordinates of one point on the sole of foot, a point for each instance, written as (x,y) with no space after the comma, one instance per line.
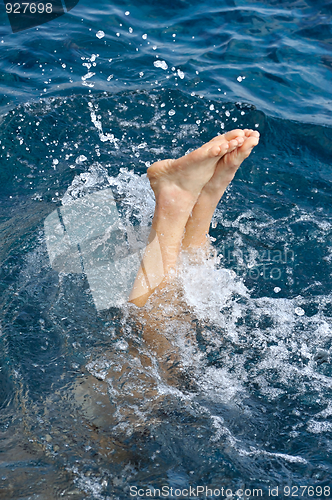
(192,172)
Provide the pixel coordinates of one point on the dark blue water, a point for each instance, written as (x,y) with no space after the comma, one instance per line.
(242,397)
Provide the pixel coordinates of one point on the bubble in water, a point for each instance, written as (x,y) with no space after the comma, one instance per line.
(171,112)
(122,345)
(299,311)
(100,34)
(276,289)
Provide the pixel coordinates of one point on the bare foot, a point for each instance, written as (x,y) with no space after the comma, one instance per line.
(198,223)
(190,173)
(177,185)
(228,165)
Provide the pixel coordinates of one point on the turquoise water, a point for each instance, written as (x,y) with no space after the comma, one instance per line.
(242,398)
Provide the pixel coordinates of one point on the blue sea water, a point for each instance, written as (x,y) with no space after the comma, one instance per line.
(242,398)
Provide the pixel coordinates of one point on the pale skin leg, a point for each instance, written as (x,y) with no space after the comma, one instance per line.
(187,191)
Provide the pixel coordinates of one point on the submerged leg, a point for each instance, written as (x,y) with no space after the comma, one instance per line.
(178,186)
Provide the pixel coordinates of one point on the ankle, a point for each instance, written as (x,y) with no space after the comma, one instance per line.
(172,200)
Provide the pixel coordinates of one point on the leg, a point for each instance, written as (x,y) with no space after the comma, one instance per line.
(177,185)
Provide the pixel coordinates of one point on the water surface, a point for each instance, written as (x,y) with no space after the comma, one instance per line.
(241,399)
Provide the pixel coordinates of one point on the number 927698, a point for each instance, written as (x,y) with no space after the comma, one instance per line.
(28,8)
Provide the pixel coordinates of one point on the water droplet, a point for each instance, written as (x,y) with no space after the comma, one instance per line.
(160,64)
(80,159)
